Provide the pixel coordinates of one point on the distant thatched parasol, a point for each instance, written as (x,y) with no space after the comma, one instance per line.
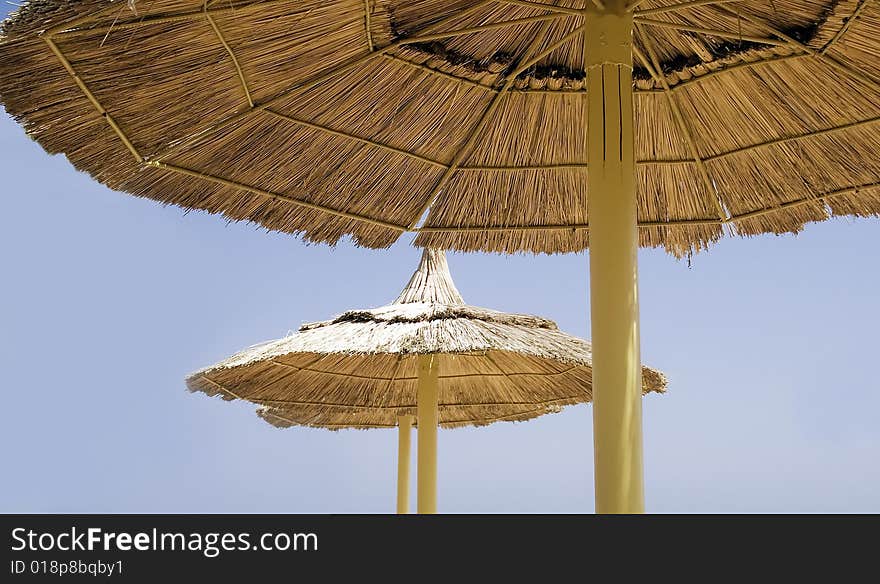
(427,355)
(473,123)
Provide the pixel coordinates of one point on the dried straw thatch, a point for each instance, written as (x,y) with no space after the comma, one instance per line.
(359,370)
(338,117)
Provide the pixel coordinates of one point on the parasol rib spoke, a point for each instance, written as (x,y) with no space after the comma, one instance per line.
(653,67)
(196,14)
(544,6)
(367,26)
(421,38)
(512,379)
(221,387)
(182,16)
(255,390)
(432,71)
(275,196)
(710,32)
(80,20)
(847,23)
(697,78)
(394,373)
(280,403)
(818,54)
(561,227)
(91,97)
(669,223)
(456,376)
(563,166)
(340,133)
(794,138)
(462,152)
(823,197)
(229,51)
(446,423)
(465,149)
(674,7)
(517,415)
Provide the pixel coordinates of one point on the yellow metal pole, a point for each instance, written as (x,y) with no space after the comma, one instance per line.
(617,395)
(427,449)
(404,427)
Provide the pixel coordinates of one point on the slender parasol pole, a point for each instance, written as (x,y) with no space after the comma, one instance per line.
(404,427)
(428,417)
(617,395)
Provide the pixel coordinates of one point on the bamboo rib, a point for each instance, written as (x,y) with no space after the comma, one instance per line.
(304,85)
(513,381)
(191,15)
(805,200)
(709,31)
(367,25)
(263,386)
(500,418)
(465,149)
(861,6)
(298,403)
(80,20)
(182,16)
(456,376)
(564,227)
(221,387)
(462,152)
(679,6)
(394,373)
(567,166)
(669,223)
(482,28)
(442,423)
(222,39)
(653,67)
(271,195)
(543,6)
(794,138)
(636,90)
(333,426)
(743,65)
(522,68)
(91,97)
(827,59)
(433,71)
(368,141)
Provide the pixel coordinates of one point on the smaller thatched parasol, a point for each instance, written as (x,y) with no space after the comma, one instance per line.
(427,357)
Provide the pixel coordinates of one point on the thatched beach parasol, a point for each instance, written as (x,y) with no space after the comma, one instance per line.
(427,357)
(497,125)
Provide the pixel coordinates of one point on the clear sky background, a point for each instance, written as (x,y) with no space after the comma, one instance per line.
(107,302)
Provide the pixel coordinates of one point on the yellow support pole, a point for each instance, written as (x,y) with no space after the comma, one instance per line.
(404,427)
(617,385)
(427,449)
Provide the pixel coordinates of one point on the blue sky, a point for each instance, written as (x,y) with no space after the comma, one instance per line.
(770,346)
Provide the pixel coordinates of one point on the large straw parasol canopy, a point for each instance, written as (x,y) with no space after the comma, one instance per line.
(360,370)
(361,117)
